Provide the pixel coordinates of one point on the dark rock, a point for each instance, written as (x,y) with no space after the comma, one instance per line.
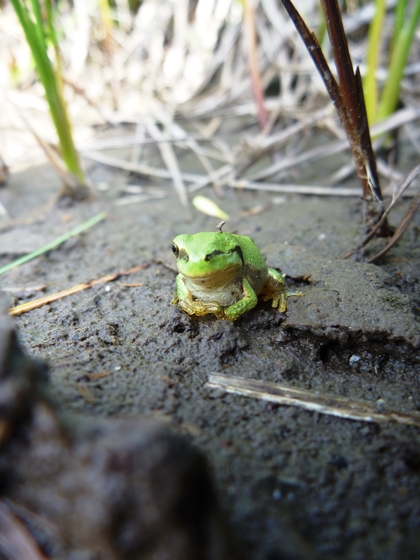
(80,487)
(346,300)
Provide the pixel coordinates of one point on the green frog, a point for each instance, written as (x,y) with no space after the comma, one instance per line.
(224,273)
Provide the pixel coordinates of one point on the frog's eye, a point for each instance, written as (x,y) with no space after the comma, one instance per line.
(175,250)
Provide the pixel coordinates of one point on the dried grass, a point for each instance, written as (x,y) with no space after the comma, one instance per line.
(332,405)
(177,74)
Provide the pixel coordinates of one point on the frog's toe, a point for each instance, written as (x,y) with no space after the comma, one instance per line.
(214,307)
(185,305)
(279,301)
(199,308)
(282,302)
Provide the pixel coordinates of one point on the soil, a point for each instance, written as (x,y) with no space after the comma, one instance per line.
(293,483)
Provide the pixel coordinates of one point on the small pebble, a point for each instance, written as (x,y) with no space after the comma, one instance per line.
(354,360)
(276,494)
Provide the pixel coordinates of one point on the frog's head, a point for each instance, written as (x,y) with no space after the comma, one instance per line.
(208,258)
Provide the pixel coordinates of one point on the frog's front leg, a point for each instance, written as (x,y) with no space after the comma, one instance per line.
(194,306)
(275,289)
(249,301)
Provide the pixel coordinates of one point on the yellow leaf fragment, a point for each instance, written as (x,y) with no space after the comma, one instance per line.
(207,206)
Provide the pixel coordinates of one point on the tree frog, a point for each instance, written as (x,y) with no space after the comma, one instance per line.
(223,273)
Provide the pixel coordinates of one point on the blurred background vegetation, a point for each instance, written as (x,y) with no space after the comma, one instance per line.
(227,81)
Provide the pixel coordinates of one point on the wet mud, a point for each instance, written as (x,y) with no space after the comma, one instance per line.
(292,483)
(83,487)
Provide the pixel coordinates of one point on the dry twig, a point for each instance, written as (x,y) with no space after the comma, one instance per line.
(30,305)
(347,96)
(15,540)
(308,400)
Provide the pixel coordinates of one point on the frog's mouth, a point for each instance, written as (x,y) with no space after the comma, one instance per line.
(215,279)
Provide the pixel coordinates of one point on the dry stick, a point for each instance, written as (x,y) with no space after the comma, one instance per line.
(221,102)
(251,47)
(391,174)
(140,168)
(183,142)
(221,174)
(137,198)
(72,185)
(221,150)
(4,175)
(15,539)
(14,289)
(281,136)
(326,150)
(335,147)
(199,181)
(225,108)
(295,189)
(24,307)
(170,160)
(267,143)
(91,102)
(134,140)
(408,216)
(3,211)
(339,94)
(206,104)
(341,54)
(195,148)
(302,398)
(352,90)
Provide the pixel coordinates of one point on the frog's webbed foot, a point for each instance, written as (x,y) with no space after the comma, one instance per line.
(200,308)
(275,289)
(279,300)
(298,293)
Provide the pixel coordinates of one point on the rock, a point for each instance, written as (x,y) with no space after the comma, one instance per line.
(19,377)
(77,487)
(345,300)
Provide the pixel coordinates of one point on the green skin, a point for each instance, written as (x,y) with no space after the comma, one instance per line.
(223,273)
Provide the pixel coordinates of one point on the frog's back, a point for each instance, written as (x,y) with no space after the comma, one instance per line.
(255,270)
(250,252)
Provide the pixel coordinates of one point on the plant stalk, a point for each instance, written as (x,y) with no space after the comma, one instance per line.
(37,32)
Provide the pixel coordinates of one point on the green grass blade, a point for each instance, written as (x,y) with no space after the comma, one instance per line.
(38,19)
(55,243)
(52,34)
(391,91)
(35,39)
(399,17)
(36,31)
(370,86)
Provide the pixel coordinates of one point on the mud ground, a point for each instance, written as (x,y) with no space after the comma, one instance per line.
(294,483)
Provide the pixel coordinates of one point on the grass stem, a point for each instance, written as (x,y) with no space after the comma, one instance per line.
(370,86)
(39,32)
(399,57)
(55,243)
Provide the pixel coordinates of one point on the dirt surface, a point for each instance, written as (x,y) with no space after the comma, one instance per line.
(294,483)
(78,487)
